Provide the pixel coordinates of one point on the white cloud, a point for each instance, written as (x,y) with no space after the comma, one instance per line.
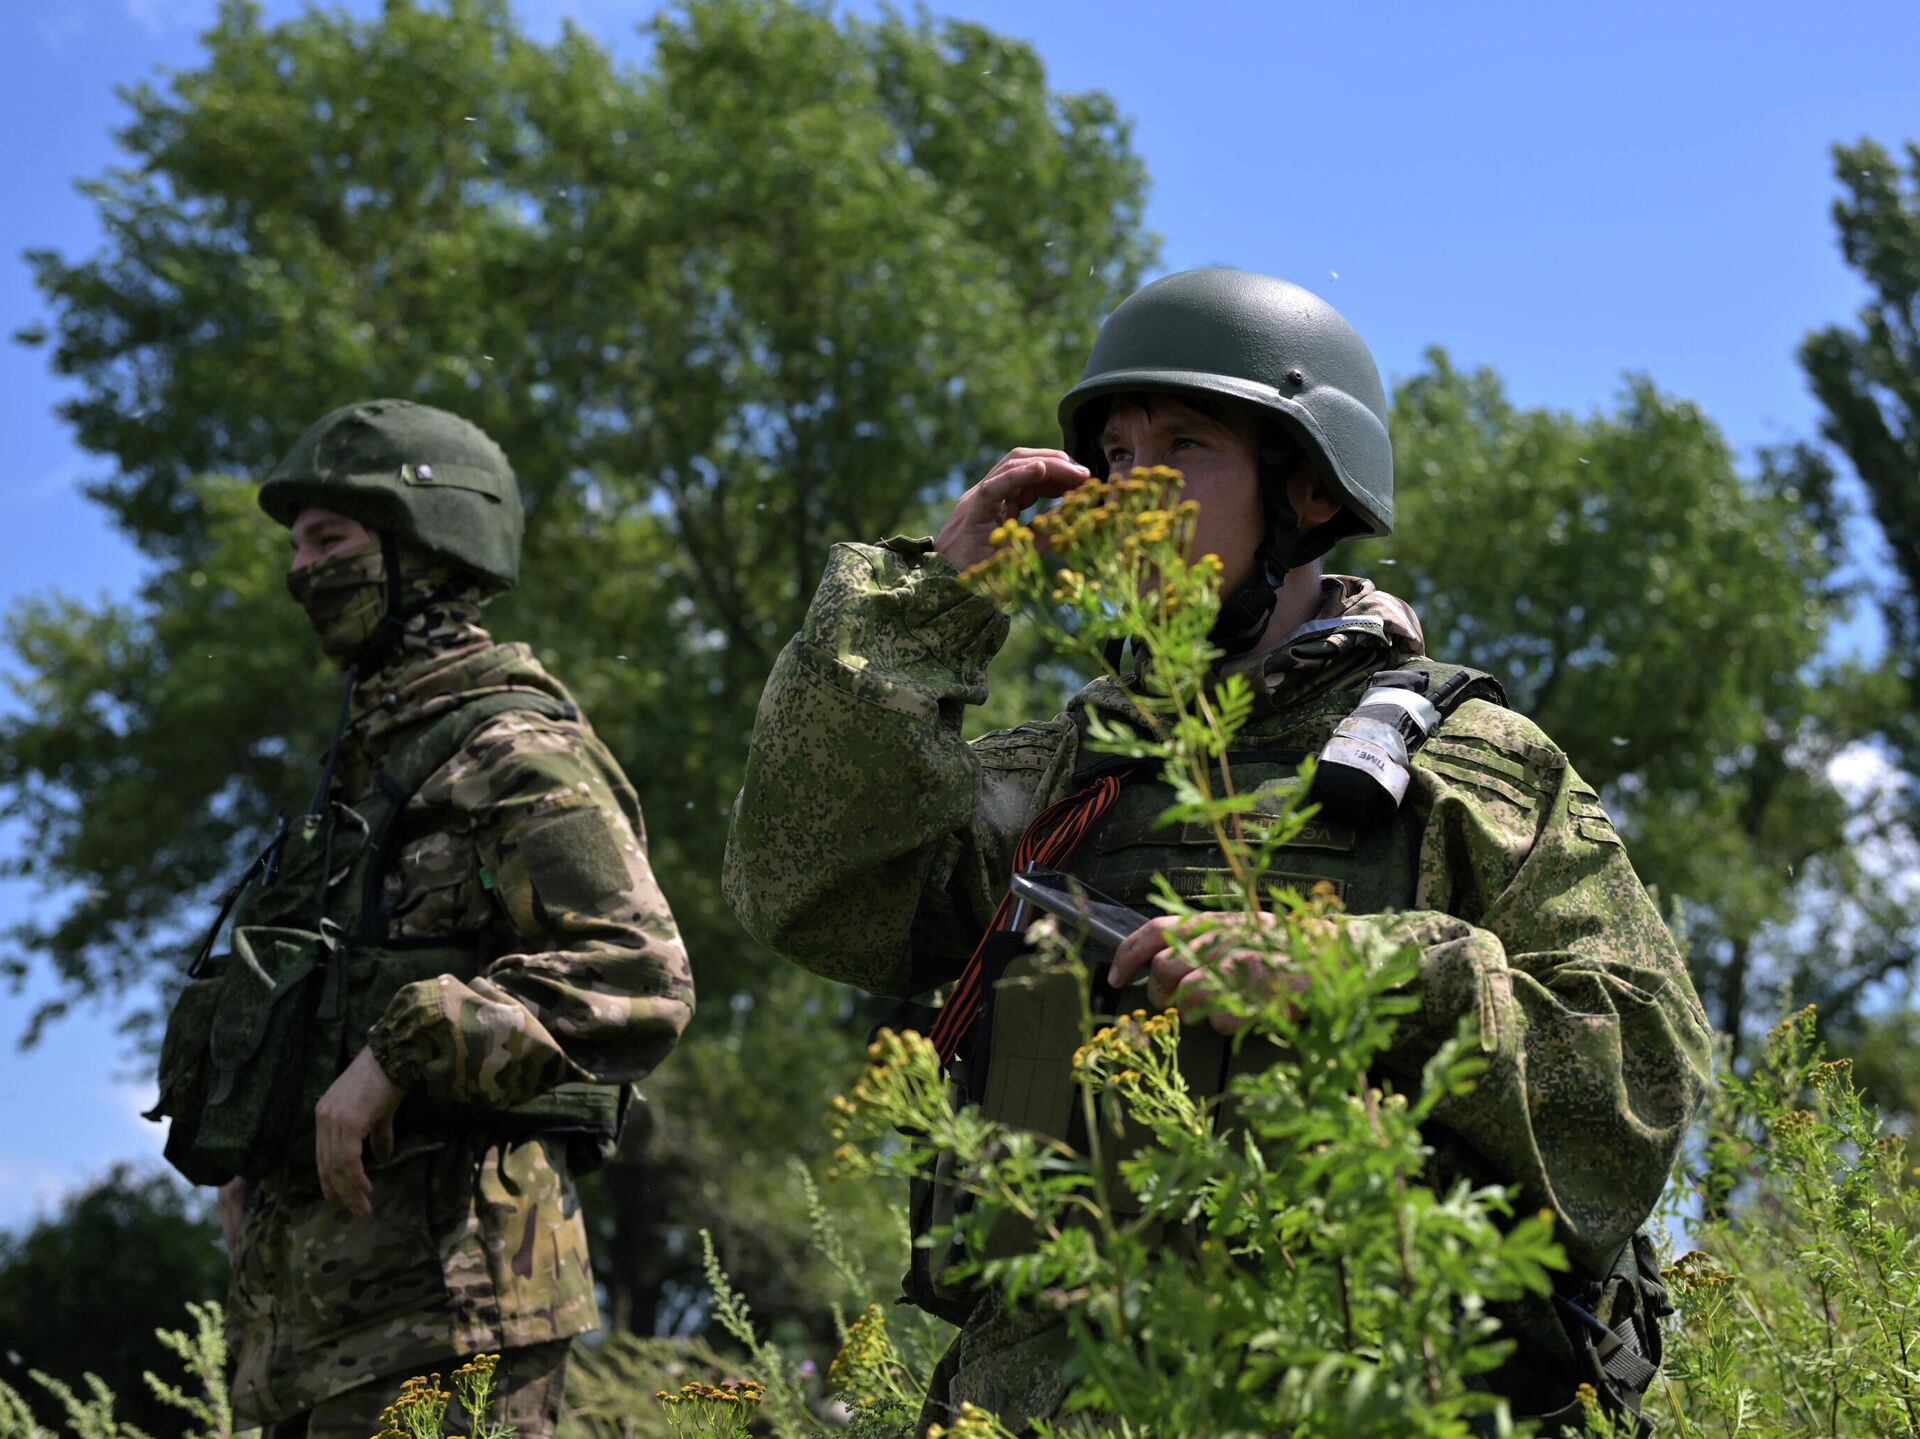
(1861,772)
(1875,787)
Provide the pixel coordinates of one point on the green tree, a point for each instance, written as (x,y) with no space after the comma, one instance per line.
(1867,380)
(1663,615)
(85,1289)
(789,282)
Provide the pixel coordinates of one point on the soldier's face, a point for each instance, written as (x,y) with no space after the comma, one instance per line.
(1220,458)
(318,534)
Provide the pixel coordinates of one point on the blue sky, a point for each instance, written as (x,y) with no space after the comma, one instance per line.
(1564,192)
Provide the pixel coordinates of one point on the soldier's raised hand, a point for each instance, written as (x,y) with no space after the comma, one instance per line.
(1022,477)
(357,1106)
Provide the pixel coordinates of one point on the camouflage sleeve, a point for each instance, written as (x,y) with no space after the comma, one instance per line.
(1535,931)
(596,986)
(870,842)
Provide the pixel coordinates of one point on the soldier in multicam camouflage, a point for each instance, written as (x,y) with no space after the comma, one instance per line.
(478,1090)
(872,845)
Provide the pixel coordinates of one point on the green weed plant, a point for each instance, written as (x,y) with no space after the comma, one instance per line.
(202,1350)
(1799,1295)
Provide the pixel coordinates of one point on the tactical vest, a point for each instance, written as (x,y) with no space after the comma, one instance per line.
(1018,1061)
(1023,1058)
(260,1032)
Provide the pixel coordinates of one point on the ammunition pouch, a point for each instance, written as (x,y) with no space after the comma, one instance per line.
(1607,1335)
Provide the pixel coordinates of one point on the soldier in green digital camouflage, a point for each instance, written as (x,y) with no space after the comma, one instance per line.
(441,980)
(872,845)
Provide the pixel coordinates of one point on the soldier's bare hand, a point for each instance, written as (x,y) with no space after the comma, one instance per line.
(1168,946)
(1022,477)
(233,1212)
(357,1108)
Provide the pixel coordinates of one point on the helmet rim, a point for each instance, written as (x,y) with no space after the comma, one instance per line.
(1372,509)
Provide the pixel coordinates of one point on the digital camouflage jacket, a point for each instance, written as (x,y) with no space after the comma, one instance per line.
(475,1243)
(870,844)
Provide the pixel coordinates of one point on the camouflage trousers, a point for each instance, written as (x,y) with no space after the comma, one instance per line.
(473,1245)
(530,1385)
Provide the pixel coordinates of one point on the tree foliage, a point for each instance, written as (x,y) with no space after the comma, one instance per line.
(1867,377)
(782,285)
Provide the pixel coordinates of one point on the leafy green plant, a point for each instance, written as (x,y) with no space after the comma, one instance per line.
(203,1352)
(1800,1298)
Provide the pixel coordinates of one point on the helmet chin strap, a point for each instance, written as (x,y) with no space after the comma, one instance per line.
(380,645)
(373,653)
(1246,612)
(377,646)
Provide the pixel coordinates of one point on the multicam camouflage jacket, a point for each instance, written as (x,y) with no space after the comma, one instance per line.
(870,844)
(475,1243)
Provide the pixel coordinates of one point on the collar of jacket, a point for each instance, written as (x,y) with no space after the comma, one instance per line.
(1356,624)
(426,678)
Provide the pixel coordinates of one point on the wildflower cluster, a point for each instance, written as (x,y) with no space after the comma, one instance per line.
(899,1083)
(971,1422)
(1135,1039)
(712,1411)
(867,1358)
(473,1386)
(418,1412)
(1694,1271)
(1135,1060)
(1113,555)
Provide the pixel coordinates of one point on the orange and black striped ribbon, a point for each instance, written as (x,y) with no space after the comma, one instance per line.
(1048,842)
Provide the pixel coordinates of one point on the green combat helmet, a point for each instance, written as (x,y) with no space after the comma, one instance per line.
(426,477)
(1237,335)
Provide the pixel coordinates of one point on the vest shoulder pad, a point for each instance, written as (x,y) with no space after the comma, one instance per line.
(424,753)
(1450,686)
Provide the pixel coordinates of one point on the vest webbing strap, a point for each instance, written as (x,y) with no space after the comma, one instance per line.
(1049,841)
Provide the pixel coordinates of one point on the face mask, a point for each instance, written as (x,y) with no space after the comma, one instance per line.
(345,597)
